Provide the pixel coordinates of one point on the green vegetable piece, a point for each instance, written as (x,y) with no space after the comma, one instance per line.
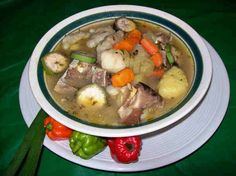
(169,55)
(54,63)
(86,146)
(83,58)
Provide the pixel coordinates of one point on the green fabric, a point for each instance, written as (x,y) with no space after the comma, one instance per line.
(23,23)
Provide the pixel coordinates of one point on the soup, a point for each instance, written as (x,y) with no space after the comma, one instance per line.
(119,72)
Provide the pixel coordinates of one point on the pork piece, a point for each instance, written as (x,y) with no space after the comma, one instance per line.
(99,35)
(108,42)
(100,76)
(141,97)
(74,37)
(63,88)
(80,74)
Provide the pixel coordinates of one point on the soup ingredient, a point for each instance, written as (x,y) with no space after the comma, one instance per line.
(100,76)
(112,60)
(78,75)
(63,88)
(149,46)
(108,42)
(86,146)
(169,54)
(55,130)
(28,153)
(112,91)
(124,45)
(125,24)
(129,42)
(122,77)
(173,83)
(125,149)
(91,95)
(98,35)
(74,37)
(158,72)
(141,96)
(83,57)
(54,63)
(157,59)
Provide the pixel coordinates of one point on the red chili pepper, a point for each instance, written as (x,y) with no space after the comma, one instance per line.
(55,130)
(125,149)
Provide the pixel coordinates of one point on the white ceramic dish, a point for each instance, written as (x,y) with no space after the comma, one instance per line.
(203,67)
(160,148)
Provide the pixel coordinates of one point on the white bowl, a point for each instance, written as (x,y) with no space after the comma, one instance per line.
(201,82)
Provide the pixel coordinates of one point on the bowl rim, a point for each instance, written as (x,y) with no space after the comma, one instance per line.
(121,132)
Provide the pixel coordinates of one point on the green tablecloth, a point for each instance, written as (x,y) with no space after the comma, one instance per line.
(24,22)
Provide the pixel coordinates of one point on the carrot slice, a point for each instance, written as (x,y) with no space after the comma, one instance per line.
(122,77)
(124,45)
(157,59)
(158,73)
(134,36)
(149,46)
(129,42)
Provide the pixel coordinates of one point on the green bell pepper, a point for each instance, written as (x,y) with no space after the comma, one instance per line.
(86,146)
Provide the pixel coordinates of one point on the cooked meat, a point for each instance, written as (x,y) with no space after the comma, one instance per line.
(124,24)
(63,88)
(100,77)
(74,37)
(108,42)
(99,35)
(140,97)
(78,74)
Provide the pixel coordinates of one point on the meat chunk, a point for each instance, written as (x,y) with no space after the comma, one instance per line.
(80,74)
(141,97)
(63,88)
(108,42)
(99,35)
(100,77)
(74,37)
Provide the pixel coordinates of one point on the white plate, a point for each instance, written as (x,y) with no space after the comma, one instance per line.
(162,147)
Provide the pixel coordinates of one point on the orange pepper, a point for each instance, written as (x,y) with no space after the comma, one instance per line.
(55,130)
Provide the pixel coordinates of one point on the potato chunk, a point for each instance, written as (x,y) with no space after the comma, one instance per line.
(173,83)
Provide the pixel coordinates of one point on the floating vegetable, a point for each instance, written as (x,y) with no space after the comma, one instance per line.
(55,130)
(91,95)
(169,54)
(157,59)
(122,78)
(149,46)
(86,146)
(129,42)
(125,149)
(83,57)
(173,83)
(54,63)
(112,60)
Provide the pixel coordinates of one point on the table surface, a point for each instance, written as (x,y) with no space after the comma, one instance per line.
(24,22)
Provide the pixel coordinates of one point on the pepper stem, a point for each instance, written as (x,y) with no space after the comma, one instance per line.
(49,126)
(129,146)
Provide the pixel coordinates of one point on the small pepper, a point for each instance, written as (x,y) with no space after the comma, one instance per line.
(55,130)
(125,149)
(86,146)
